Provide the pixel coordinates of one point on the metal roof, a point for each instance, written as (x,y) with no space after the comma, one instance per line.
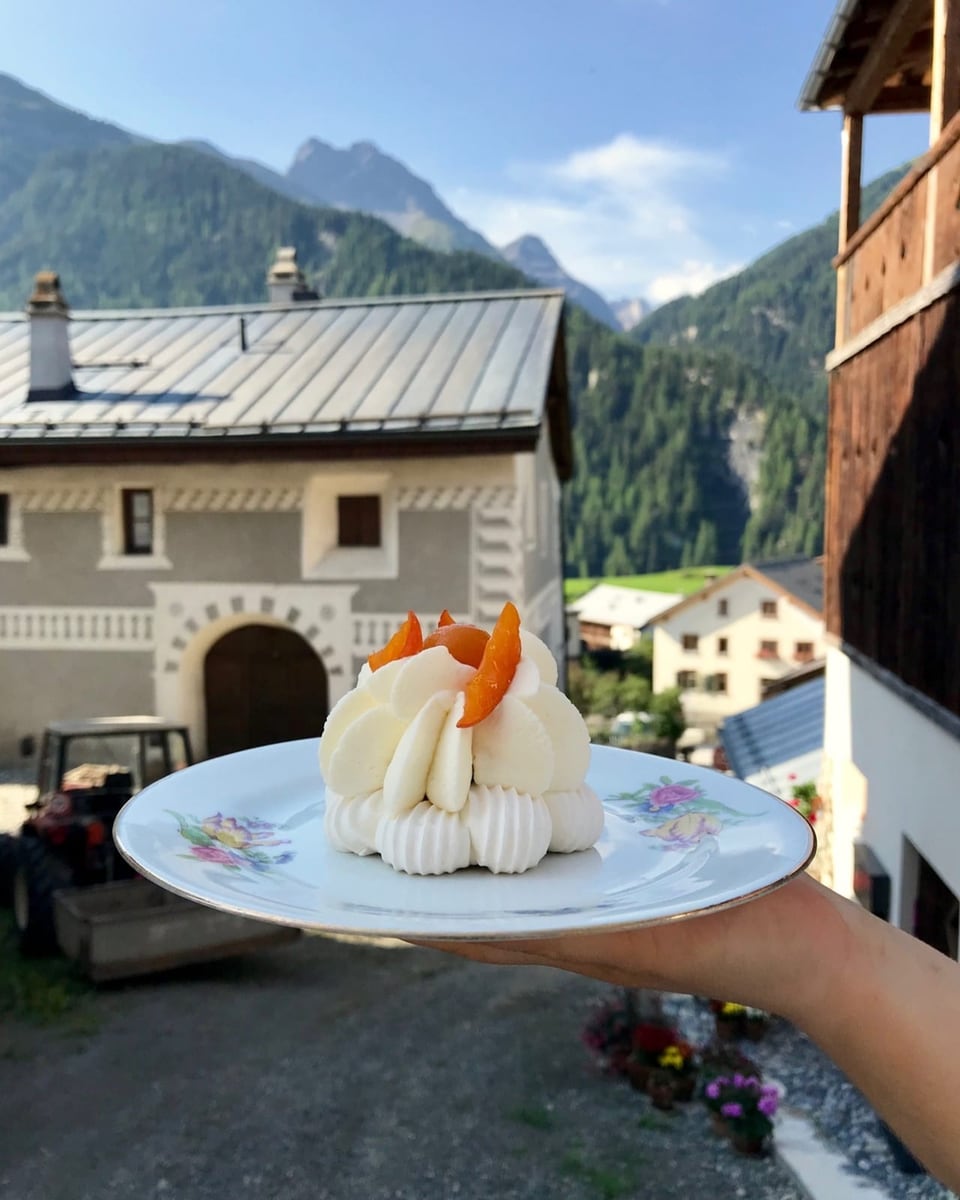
(801,577)
(608,604)
(461,364)
(775,731)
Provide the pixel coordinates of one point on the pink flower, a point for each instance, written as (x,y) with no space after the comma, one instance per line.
(731,1110)
(713,1089)
(670,794)
(767,1105)
(212,854)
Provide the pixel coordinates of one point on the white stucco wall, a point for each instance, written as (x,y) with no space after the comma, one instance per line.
(744,628)
(895,774)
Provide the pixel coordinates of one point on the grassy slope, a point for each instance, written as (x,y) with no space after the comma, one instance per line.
(684,579)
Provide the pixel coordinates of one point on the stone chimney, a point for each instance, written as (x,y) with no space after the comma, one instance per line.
(51,373)
(286,283)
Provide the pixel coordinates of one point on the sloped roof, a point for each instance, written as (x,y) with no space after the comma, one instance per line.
(783,575)
(775,731)
(889,41)
(801,577)
(460,366)
(608,604)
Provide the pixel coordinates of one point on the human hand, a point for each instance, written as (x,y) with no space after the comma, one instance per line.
(773,952)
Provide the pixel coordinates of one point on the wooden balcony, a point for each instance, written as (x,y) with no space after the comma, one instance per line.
(906,255)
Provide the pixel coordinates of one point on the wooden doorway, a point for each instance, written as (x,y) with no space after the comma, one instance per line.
(262,684)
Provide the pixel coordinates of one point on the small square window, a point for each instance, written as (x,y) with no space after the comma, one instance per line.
(804,652)
(686,680)
(358,520)
(137,520)
(768,650)
(768,608)
(723,608)
(723,646)
(717,683)
(690,641)
(4,519)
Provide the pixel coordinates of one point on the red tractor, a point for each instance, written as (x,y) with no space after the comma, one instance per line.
(87,771)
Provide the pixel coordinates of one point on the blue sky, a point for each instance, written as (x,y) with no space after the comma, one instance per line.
(654,144)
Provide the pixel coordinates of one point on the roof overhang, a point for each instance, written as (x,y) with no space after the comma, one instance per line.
(876,57)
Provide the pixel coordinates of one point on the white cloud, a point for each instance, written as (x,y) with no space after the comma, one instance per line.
(613,214)
(691,279)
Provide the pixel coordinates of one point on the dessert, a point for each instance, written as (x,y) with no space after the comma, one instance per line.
(457,749)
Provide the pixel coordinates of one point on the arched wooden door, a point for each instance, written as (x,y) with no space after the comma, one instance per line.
(262,684)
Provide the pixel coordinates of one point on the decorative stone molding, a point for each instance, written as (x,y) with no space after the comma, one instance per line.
(75,628)
(245,500)
(496,555)
(62,499)
(439,498)
(14,549)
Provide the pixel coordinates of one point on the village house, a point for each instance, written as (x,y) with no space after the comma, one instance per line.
(610,617)
(722,645)
(215,514)
(892,725)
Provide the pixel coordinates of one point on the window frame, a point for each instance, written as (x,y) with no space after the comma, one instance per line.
(367,513)
(686,680)
(769,648)
(768,610)
(130,520)
(723,607)
(690,637)
(723,646)
(11,527)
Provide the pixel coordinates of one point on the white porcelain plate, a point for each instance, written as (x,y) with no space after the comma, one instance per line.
(245,833)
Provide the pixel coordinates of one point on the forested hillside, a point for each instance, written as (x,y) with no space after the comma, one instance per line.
(146,224)
(777,314)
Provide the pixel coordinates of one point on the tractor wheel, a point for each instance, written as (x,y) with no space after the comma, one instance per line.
(9,857)
(37,877)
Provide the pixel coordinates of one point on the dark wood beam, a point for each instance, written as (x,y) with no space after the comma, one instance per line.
(882,58)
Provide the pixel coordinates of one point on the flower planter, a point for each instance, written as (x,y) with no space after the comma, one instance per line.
(728,1030)
(718,1125)
(684,1087)
(753,1147)
(661,1094)
(638,1073)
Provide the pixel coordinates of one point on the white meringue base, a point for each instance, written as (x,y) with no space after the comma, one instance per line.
(576,818)
(351,823)
(509,830)
(424,841)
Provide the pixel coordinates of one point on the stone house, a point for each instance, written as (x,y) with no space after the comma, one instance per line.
(215,514)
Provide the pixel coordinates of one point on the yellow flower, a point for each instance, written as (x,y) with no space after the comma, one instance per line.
(672,1057)
(733,1010)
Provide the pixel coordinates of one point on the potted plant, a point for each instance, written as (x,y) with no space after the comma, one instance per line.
(660,1089)
(649,1041)
(722,1058)
(678,1064)
(756,1022)
(747,1106)
(729,1020)
(609,1032)
(715,1095)
(806,800)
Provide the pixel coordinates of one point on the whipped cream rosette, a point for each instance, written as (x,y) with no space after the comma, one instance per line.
(458,750)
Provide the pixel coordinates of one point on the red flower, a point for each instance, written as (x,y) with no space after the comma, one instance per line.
(653,1039)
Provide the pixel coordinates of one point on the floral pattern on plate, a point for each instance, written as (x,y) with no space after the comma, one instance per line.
(691,815)
(236,843)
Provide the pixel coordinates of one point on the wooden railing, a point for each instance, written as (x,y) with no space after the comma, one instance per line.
(906,244)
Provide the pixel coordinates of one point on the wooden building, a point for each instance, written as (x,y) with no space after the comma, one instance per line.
(892,737)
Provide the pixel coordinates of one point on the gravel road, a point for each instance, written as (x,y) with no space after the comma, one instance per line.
(330,1070)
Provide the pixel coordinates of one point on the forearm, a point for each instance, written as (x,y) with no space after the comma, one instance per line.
(890,1020)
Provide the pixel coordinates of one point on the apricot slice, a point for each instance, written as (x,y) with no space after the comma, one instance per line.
(465,642)
(445,619)
(406,641)
(496,670)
